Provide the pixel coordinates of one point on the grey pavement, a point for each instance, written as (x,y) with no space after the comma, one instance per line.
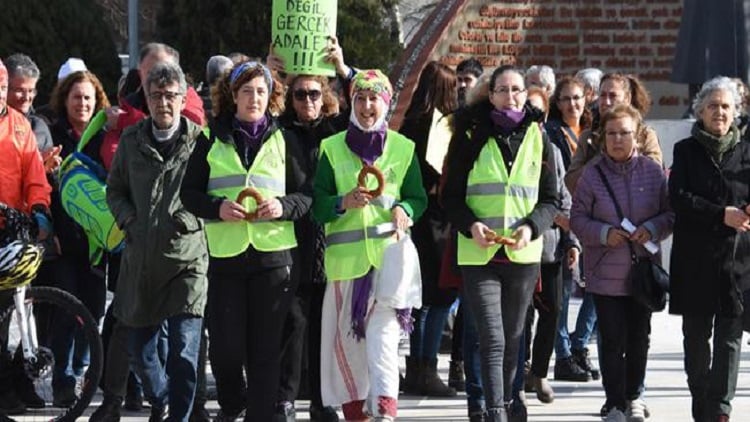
(667,394)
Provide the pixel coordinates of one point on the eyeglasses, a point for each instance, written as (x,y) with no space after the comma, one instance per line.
(574,98)
(625,134)
(301,94)
(168,95)
(509,90)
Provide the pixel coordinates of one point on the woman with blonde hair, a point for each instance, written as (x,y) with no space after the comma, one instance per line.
(75,100)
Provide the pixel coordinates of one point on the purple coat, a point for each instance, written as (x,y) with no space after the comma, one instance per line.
(641,191)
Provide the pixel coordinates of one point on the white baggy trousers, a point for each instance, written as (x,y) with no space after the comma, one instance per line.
(353,370)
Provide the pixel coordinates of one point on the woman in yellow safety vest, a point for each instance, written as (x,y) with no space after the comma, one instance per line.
(249,241)
(359,344)
(501,195)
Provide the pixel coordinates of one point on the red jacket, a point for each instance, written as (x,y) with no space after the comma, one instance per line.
(23,182)
(134,113)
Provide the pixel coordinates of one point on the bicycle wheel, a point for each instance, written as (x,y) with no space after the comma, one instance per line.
(53,308)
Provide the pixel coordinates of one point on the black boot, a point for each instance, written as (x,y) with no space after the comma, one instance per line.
(413,376)
(456,375)
(432,385)
(108,411)
(567,369)
(582,358)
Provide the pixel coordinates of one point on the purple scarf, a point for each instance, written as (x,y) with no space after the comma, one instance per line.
(368,146)
(251,133)
(507,120)
(360,297)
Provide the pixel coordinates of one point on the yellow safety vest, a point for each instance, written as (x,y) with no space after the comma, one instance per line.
(501,200)
(228,177)
(354,242)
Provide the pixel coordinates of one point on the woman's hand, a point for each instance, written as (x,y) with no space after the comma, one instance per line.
(357,198)
(736,219)
(399,218)
(269,209)
(335,55)
(562,221)
(616,237)
(573,254)
(641,235)
(522,235)
(478,233)
(231,211)
(51,159)
(113,115)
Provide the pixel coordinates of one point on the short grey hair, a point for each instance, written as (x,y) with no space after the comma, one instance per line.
(165,73)
(156,47)
(719,83)
(591,78)
(546,75)
(21,65)
(217,66)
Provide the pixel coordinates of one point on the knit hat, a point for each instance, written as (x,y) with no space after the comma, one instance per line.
(71,65)
(3,72)
(373,80)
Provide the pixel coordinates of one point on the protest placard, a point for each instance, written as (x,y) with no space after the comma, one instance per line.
(299,33)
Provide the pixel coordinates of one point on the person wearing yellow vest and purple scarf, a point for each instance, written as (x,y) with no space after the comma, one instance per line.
(359,344)
(501,178)
(249,288)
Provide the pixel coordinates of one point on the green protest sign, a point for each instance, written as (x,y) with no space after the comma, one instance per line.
(300,31)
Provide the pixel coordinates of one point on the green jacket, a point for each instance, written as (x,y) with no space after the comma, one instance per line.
(164,264)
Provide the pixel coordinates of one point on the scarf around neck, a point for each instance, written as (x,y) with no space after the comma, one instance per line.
(716,146)
(507,120)
(368,146)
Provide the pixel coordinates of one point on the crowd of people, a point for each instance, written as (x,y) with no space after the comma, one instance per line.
(254,240)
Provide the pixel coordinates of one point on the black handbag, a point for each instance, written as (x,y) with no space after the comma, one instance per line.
(649,281)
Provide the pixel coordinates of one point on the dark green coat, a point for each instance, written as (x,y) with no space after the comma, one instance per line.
(164,264)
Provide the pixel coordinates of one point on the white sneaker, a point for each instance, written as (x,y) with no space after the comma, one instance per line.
(615,415)
(638,411)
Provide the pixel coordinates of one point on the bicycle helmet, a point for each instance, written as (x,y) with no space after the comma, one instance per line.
(19,262)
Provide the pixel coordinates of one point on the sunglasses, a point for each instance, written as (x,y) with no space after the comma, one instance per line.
(301,94)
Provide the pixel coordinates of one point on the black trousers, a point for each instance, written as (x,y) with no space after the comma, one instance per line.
(624,337)
(301,345)
(247,316)
(712,377)
(547,304)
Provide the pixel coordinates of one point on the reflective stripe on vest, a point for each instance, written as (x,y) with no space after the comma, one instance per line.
(501,201)
(355,242)
(227,177)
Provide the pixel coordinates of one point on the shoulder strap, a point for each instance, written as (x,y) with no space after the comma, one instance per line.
(617,205)
(568,131)
(609,190)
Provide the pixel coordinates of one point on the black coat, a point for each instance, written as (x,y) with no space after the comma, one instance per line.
(308,256)
(710,263)
(431,232)
(464,151)
(196,200)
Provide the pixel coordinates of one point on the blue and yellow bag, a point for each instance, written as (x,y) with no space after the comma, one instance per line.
(83,193)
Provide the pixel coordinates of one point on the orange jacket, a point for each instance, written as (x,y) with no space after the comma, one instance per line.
(23,182)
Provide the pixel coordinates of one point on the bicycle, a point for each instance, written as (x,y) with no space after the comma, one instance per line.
(20,259)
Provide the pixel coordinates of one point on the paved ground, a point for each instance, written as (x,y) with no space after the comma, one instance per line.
(667,393)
